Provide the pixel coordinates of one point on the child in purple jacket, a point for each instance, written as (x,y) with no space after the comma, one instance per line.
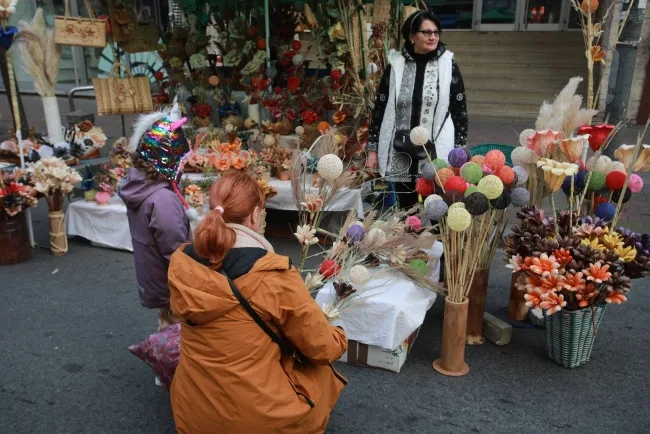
(157,212)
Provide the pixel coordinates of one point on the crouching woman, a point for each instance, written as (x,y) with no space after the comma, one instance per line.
(256,350)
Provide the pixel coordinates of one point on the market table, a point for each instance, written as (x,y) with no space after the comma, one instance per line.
(103,225)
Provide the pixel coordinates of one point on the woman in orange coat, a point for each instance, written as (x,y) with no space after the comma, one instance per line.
(232,377)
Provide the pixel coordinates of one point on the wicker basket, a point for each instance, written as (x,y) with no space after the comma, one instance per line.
(484,148)
(570,335)
(84,32)
(122,96)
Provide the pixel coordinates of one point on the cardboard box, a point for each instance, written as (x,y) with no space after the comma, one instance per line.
(359,354)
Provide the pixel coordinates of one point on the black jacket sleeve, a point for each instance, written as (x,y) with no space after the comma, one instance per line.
(458,106)
(378,113)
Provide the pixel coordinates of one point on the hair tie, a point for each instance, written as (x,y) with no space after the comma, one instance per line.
(219,209)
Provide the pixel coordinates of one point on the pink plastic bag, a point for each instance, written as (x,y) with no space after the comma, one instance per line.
(161,351)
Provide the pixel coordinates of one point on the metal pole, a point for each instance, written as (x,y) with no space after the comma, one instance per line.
(267,32)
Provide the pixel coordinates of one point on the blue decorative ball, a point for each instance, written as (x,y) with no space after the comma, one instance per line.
(428,173)
(457,157)
(436,209)
(606,211)
(355,233)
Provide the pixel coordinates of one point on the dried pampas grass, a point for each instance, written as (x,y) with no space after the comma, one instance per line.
(39,53)
(565,113)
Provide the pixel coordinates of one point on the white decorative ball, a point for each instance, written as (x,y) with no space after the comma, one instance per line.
(297,59)
(616,166)
(523,137)
(419,136)
(230,128)
(601,165)
(269,140)
(378,224)
(330,167)
(376,236)
(522,174)
(359,275)
(300,130)
(372,68)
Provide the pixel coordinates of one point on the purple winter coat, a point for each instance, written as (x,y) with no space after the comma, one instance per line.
(159,225)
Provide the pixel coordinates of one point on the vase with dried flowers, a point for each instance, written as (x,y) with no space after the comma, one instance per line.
(17,193)
(54,179)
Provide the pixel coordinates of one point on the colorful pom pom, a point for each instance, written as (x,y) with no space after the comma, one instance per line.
(456,183)
(329,268)
(522,174)
(424,187)
(436,209)
(413,222)
(615,180)
(506,175)
(491,186)
(597,181)
(520,197)
(330,167)
(419,136)
(635,184)
(606,211)
(501,202)
(359,275)
(495,159)
(428,172)
(443,175)
(419,266)
(355,233)
(471,189)
(476,203)
(452,197)
(458,219)
(616,195)
(478,159)
(440,163)
(457,205)
(471,172)
(457,157)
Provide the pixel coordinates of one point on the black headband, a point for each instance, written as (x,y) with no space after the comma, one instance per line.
(415,15)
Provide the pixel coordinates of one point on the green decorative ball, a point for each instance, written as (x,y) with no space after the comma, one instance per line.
(440,163)
(90,195)
(458,219)
(472,173)
(419,266)
(471,189)
(597,181)
(491,186)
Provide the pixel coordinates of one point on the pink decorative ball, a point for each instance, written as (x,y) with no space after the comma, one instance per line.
(456,183)
(102,198)
(495,159)
(506,175)
(487,170)
(635,184)
(413,222)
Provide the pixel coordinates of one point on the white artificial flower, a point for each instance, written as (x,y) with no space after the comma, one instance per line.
(331,312)
(313,281)
(306,235)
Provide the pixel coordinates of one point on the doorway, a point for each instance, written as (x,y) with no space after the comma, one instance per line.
(521,15)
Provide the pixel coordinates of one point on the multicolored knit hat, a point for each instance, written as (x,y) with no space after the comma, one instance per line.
(164,145)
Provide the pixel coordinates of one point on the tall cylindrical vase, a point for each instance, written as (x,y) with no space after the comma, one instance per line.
(254,112)
(58,238)
(517,309)
(14,238)
(52,119)
(476,307)
(452,358)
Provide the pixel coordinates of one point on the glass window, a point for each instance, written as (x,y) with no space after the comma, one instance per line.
(499,11)
(453,14)
(544,11)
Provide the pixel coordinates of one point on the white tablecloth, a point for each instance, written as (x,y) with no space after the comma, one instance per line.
(345,199)
(389,316)
(104,225)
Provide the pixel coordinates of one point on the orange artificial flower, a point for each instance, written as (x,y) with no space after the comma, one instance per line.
(192,189)
(562,256)
(588,6)
(533,282)
(615,297)
(545,265)
(323,127)
(338,117)
(223,164)
(551,283)
(598,273)
(552,302)
(533,298)
(573,282)
(597,55)
(586,294)
(239,163)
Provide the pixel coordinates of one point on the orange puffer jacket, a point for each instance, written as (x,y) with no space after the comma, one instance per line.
(232,378)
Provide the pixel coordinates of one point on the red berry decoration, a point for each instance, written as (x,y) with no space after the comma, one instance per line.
(296,45)
(424,187)
(506,175)
(293,83)
(277,90)
(158,75)
(336,86)
(456,183)
(329,268)
(261,44)
(615,180)
(336,74)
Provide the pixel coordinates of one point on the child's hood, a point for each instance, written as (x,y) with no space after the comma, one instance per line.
(137,188)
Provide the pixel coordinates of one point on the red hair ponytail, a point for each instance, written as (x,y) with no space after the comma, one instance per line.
(238,194)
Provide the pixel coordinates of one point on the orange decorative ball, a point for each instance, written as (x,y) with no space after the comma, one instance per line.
(495,159)
(213,81)
(506,175)
(444,175)
(323,127)
(478,159)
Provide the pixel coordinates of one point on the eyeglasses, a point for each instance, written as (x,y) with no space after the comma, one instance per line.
(429,33)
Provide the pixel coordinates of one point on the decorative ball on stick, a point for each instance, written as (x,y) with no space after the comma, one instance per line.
(439,163)
(495,159)
(330,167)
(424,187)
(436,209)
(471,172)
(615,180)
(458,219)
(471,189)
(457,205)
(476,203)
(501,202)
(419,136)
(616,195)
(419,267)
(443,176)
(635,184)
(525,134)
(428,173)
(457,157)
(520,197)
(506,175)
(491,186)
(359,275)
(329,268)
(269,140)
(606,211)
(376,236)
(597,181)
(522,174)
(300,130)
(456,183)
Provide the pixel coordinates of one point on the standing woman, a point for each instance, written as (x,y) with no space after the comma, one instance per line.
(421,86)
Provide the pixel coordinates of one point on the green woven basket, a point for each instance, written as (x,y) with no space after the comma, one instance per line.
(487,147)
(570,335)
